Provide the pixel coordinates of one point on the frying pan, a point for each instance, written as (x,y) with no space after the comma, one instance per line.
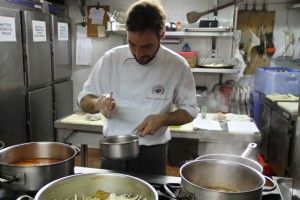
(194,16)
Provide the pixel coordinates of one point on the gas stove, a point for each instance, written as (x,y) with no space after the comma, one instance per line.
(161,184)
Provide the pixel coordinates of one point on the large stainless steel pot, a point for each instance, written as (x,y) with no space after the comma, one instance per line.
(120,147)
(221,180)
(32,178)
(88,184)
(235,158)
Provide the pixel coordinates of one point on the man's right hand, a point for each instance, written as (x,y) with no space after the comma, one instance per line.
(105,104)
(93,104)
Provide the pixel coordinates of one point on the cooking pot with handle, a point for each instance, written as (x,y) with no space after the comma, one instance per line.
(88,184)
(32,178)
(120,147)
(235,158)
(222,180)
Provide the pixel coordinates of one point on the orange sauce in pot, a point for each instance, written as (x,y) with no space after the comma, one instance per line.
(37,162)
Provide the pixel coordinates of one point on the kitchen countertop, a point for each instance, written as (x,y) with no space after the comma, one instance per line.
(78,122)
(77,130)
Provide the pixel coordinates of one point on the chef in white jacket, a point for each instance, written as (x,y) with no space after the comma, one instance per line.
(146,79)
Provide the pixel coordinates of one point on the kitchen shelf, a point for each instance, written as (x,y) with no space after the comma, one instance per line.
(217,71)
(189,32)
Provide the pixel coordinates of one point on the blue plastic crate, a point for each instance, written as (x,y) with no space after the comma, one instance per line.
(282,80)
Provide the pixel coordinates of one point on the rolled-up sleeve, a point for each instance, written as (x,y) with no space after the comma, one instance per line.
(92,84)
(185,94)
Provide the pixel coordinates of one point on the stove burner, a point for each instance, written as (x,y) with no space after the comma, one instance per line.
(176,192)
(6,194)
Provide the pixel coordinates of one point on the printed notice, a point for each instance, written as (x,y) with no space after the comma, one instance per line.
(83,47)
(62,31)
(7,29)
(39,31)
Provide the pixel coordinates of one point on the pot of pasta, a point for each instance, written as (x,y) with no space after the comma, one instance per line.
(30,166)
(95,186)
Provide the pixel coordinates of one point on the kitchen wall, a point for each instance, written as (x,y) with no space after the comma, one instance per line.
(176,11)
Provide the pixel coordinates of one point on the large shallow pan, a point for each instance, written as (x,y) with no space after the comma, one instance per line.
(88,184)
(222,180)
(120,147)
(32,178)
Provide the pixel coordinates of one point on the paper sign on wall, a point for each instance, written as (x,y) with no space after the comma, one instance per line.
(62,31)
(7,29)
(39,31)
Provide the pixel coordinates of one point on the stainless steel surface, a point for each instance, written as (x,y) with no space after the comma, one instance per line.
(120,147)
(198,175)
(279,144)
(61,59)
(38,54)
(63,99)
(296,162)
(12,88)
(32,178)
(278,129)
(264,126)
(40,108)
(87,184)
(285,188)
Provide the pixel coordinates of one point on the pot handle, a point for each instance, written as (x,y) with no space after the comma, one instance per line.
(7,179)
(76,149)
(24,197)
(169,192)
(272,188)
(250,147)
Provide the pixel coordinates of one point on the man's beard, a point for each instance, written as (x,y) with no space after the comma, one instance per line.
(149,58)
(142,62)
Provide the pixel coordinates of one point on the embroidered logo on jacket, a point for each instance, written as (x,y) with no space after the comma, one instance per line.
(158,89)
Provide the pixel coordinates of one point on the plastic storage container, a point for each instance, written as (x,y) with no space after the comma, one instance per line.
(190,56)
(282,80)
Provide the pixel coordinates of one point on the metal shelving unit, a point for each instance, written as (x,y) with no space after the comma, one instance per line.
(218,71)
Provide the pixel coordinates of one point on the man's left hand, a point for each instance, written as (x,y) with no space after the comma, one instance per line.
(151,124)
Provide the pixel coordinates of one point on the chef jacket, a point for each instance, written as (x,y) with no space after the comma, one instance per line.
(142,90)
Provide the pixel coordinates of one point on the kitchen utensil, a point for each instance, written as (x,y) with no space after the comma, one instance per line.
(88,184)
(1,145)
(32,178)
(120,147)
(194,16)
(220,179)
(235,158)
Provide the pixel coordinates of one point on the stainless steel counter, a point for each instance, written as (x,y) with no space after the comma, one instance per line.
(89,133)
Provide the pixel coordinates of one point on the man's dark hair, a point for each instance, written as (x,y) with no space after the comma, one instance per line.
(145,15)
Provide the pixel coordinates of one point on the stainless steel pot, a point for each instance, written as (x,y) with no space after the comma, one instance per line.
(1,145)
(120,147)
(32,178)
(221,180)
(88,184)
(235,158)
